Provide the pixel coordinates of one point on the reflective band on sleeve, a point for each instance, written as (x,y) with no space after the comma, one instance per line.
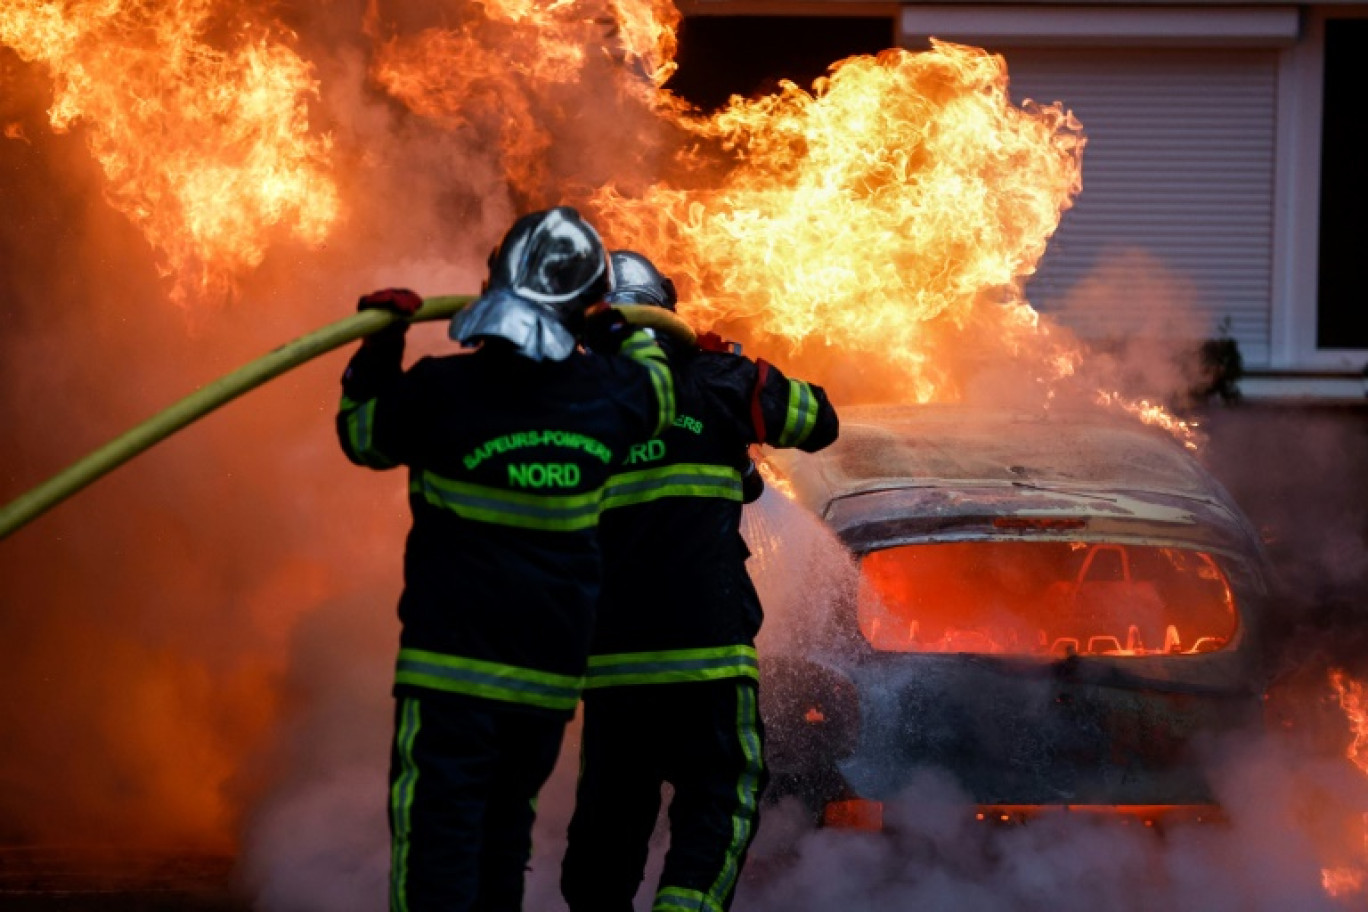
(492,680)
(642,348)
(523,510)
(401,803)
(360,419)
(685,479)
(801,416)
(672,666)
(678,899)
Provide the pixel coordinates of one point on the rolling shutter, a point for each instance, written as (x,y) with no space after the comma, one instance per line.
(1177,201)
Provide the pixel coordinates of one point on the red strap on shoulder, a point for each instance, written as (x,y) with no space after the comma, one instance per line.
(757,414)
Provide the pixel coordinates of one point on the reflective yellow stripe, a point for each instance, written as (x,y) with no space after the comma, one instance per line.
(491,680)
(672,666)
(801,416)
(360,420)
(642,348)
(747,792)
(523,510)
(678,899)
(685,479)
(401,803)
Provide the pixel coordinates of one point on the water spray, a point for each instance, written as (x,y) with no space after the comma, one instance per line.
(94,465)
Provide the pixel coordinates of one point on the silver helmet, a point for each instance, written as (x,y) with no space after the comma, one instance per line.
(549,267)
(637,281)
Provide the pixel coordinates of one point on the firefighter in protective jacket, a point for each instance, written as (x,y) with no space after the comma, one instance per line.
(508,448)
(671,689)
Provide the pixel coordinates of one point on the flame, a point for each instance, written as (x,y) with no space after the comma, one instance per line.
(207,149)
(647,32)
(1349,880)
(1048,599)
(517,69)
(1155,415)
(898,205)
(1351,699)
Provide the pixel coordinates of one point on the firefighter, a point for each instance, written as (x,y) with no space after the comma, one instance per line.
(671,688)
(507,448)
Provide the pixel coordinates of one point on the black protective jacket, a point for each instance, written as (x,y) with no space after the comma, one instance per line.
(677,602)
(507,460)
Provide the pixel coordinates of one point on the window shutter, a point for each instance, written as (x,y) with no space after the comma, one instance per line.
(1177,198)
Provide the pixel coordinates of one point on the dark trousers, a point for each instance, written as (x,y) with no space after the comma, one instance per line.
(464,777)
(705,739)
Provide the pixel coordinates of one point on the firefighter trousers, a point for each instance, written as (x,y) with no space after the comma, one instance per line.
(464,777)
(705,739)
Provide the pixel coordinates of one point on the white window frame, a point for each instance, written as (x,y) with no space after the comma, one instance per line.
(1296,223)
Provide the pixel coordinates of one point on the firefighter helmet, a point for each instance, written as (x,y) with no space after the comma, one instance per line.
(549,267)
(637,281)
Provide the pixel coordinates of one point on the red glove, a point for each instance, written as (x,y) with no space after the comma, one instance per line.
(712,342)
(396,300)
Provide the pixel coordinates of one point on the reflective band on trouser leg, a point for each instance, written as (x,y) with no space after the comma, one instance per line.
(491,680)
(747,789)
(678,899)
(360,418)
(401,804)
(481,503)
(685,479)
(801,416)
(672,666)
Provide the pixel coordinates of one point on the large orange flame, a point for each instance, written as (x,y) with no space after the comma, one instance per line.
(888,217)
(206,148)
(902,201)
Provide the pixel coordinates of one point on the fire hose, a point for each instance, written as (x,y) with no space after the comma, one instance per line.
(38,500)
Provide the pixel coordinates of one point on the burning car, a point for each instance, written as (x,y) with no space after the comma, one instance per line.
(1055,610)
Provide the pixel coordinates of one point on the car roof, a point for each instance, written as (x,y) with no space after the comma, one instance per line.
(888,446)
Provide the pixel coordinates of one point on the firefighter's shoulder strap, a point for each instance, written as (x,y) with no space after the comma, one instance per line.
(757,412)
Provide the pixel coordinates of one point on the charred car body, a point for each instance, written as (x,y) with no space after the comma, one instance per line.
(1056,611)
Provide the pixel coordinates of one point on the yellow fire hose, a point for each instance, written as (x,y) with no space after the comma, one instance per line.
(36,501)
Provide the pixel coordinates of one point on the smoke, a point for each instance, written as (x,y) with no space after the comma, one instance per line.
(936,855)
(1145,324)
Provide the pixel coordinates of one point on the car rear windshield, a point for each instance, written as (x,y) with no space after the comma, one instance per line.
(1045,598)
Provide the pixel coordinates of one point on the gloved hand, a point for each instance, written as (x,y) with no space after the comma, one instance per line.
(395,300)
(711,341)
(604,329)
